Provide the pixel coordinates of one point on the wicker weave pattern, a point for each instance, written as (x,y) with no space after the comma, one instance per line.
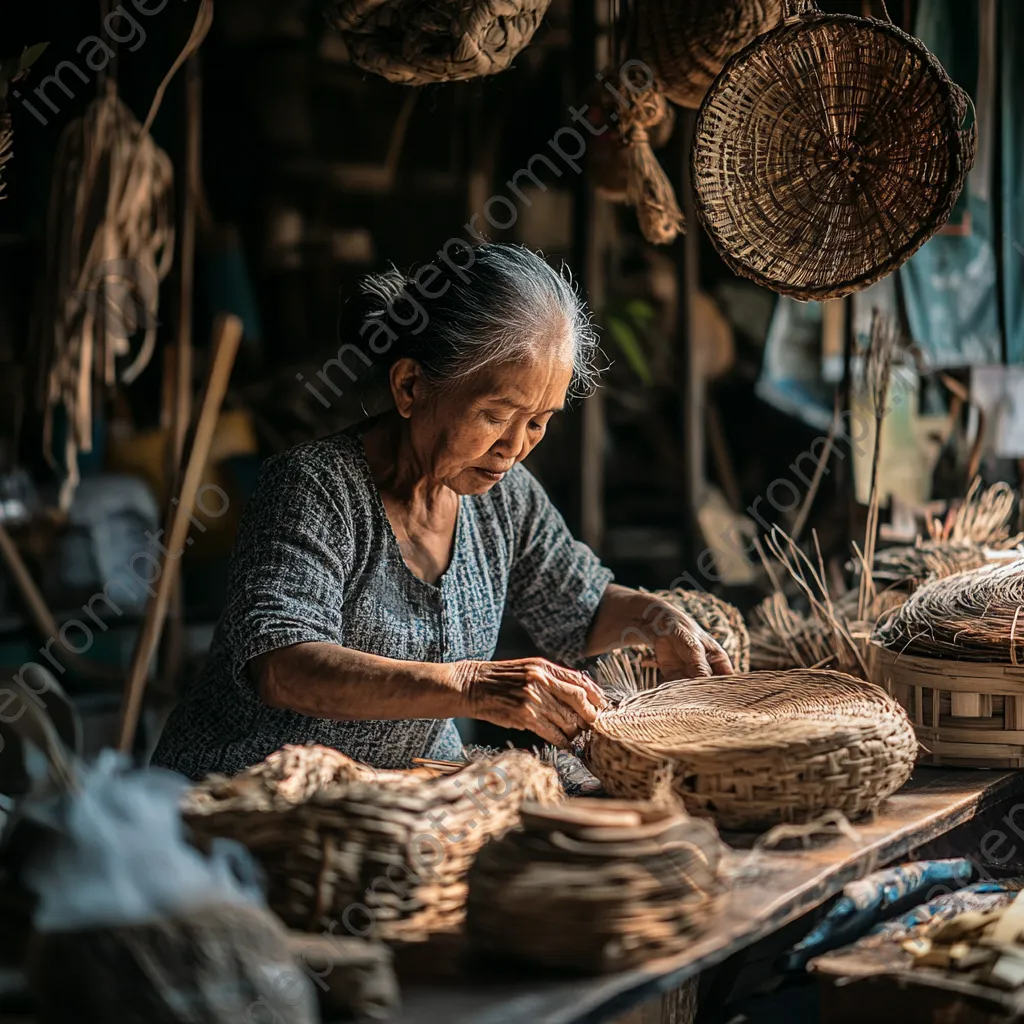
(597,885)
(827,153)
(397,850)
(686,42)
(756,750)
(417,42)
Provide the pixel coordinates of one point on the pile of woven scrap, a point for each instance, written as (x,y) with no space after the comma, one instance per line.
(986,946)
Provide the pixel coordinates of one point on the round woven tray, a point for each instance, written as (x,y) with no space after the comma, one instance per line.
(827,153)
(756,750)
(686,42)
(594,885)
(418,42)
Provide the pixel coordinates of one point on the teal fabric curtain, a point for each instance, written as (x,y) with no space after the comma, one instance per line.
(1011,37)
(950,284)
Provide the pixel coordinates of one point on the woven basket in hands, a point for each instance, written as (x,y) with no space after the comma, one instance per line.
(687,42)
(418,42)
(828,152)
(626,670)
(594,885)
(756,750)
(386,858)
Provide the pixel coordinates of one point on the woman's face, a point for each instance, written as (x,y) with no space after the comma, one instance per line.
(469,435)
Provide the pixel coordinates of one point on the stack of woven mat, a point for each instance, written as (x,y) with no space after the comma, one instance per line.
(594,885)
(385,853)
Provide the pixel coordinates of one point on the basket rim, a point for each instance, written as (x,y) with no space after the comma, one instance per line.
(807,22)
(758,737)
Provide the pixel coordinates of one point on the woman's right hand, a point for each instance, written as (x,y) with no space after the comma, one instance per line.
(554,702)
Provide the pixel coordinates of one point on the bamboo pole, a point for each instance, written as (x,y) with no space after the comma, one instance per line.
(227,335)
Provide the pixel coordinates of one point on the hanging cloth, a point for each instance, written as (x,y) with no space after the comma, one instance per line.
(1011,37)
(950,285)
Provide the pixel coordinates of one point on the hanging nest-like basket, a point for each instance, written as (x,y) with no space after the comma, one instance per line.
(393,851)
(594,885)
(828,152)
(687,42)
(419,42)
(757,750)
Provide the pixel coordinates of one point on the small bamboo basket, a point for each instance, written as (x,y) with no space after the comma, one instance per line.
(966,714)
(387,858)
(756,750)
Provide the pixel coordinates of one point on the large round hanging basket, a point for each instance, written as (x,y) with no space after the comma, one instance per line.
(417,42)
(828,152)
(686,42)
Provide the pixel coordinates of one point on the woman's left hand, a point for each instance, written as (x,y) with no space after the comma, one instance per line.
(685,651)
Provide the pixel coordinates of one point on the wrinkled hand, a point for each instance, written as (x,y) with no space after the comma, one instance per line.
(554,702)
(685,651)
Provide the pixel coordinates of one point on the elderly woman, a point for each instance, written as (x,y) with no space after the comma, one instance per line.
(372,568)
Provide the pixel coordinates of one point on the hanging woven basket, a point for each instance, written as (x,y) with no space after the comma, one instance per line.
(417,42)
(756,750)
(687,42)
(828,152)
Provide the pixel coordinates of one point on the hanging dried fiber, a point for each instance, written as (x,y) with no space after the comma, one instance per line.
(641,108)
(110,242)
(606,157)
(416,43)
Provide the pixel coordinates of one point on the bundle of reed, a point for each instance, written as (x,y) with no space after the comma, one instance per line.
(908,567)
(290,775)
(973,616)
(826,638)
(110,242)
(752,751)
(390,855)
(594,885)
(983,518)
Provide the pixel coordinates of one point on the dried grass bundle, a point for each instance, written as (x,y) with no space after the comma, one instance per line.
(396,849)
(982,519)
(110,242)
(908,567)
(594,885)
(291,775)
(756,750)
(974,616)
(827,638)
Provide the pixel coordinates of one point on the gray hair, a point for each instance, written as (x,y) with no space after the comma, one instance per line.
(493,309)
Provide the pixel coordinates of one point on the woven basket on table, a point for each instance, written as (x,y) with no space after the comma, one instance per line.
(418,42)
(387,858)
(685,43)
(594,885)
(953,655)
(755,750)
(828,152)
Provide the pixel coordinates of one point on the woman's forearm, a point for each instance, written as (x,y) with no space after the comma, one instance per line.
(625,618)
(327,681)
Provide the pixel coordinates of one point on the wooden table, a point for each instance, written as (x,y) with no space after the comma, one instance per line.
(772,889)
